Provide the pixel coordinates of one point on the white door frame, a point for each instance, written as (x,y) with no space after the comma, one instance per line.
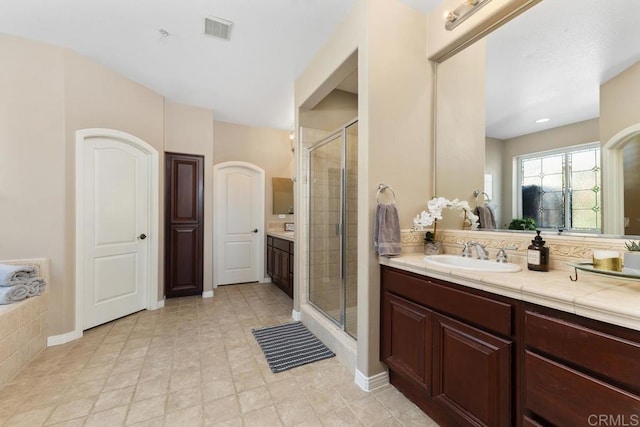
(152,292)
(217,227)
(613,180)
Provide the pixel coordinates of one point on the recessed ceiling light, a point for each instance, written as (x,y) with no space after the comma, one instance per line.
(544,120)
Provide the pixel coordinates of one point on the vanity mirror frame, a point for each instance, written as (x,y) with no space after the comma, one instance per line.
(611,153)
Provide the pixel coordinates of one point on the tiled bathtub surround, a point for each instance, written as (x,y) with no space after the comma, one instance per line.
(23,326)
(23,334)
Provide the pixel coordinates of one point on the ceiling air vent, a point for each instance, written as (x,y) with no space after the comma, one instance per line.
(217,27)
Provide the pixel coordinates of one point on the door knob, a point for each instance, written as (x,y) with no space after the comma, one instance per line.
(255,230)
(142,236)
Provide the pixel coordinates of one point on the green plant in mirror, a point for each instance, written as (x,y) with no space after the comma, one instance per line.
(633,246)
(523,224)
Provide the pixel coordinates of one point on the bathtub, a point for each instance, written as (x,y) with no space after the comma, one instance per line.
(23,326)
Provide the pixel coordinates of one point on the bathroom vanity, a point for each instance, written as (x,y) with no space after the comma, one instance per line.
(280,260)
(467,356)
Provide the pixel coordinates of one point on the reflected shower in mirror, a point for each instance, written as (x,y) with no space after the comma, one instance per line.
(551,89)
(282,195)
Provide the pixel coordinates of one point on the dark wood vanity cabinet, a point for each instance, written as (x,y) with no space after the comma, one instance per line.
(448,350)
(471,358)
(578,371)
(280,263)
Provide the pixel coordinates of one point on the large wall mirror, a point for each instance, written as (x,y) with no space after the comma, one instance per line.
(282,195)
(542,116)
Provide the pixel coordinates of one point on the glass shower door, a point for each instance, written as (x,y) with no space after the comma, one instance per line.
(325,221)
(351,229)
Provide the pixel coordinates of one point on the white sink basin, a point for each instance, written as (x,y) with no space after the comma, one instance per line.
(471,264)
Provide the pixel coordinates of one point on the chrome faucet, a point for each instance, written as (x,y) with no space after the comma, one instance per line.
(501,256)
(481,251)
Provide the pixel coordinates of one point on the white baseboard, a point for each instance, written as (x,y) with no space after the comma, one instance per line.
(295,315)
(63,339)
(207,294)
(157,305)
(371,383)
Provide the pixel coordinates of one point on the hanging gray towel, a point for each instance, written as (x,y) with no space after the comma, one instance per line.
(486,218)
(386,234)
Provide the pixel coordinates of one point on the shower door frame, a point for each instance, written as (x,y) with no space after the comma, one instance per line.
(341,226)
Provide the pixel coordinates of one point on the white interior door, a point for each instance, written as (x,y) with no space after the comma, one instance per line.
(239,209)
(116,227)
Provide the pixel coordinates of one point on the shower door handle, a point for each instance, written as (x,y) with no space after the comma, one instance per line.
(338,229)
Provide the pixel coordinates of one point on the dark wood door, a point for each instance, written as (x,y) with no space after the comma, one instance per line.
(184,219)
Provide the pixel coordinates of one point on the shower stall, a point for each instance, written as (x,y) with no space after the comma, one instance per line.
(333,236)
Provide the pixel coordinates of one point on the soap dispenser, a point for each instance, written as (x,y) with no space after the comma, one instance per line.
(538,254)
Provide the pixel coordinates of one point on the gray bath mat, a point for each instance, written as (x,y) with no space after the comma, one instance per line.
(289,345)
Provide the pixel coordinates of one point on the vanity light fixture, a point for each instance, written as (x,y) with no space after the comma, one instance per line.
(454,17)
(543,120)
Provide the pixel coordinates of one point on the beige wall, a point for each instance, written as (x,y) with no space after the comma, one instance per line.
(460,127)
(333,112)
(268,148)
(631,154)
(49,93)
(189,130)
(563,136)
(493,150)
(620,103)
(394,110)
(33,161)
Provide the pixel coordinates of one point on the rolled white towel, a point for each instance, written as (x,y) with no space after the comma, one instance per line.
(15,293)
(11,275)
(36,286)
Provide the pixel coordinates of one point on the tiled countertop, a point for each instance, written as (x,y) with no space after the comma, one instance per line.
(595,296)
(286,235)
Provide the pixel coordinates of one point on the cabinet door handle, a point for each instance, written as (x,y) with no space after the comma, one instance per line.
(142,236)
(255,230)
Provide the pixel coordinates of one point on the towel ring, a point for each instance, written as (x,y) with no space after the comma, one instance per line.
(478,193)
(381,189)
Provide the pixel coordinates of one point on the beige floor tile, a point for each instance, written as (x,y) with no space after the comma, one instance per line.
(194,362)
(35,417)
(220,410)
(145,390)
(339,418)
(184,398)
(294,412)
(234,422)
(216,389)
(70,410)
(192,416)
(247,381)
(263,417)
(369,411)
(77,422)
(111,417)
(254,399)
(113,399)
(146,409)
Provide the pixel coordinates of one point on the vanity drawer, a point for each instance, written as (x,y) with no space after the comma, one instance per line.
(566,397)
(441,296)
(281,244)
(611,356)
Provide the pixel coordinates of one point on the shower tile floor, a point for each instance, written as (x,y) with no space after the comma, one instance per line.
(193,363)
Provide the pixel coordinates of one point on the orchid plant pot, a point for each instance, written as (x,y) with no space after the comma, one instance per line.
(432,247)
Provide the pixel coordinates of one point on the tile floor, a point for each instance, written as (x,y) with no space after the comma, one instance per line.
(193,363)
